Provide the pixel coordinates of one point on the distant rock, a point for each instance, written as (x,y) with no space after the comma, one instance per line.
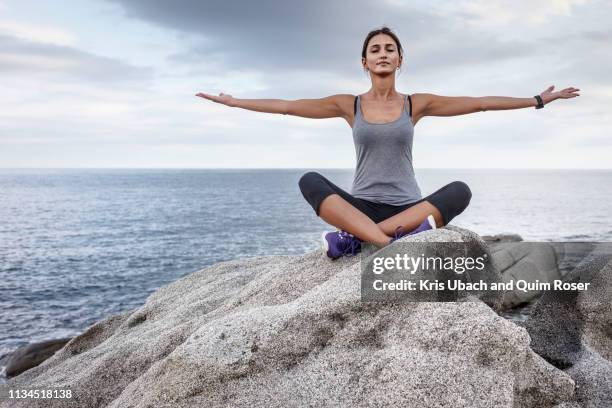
(501,238)
(32,355)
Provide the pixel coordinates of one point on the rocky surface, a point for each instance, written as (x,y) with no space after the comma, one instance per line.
(526,261)
(501,238)
(288,331)
(533,262)
(32,355)
(573,331)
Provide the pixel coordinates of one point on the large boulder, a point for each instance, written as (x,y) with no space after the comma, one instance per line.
(526,261)
(536,262)
(573,330)
(531,262)
(282,331)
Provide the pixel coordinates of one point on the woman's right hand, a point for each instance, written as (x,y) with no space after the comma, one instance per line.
(224,99)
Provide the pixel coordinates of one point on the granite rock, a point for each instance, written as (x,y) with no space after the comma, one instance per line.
(32,355)
(289,331)
(573,331)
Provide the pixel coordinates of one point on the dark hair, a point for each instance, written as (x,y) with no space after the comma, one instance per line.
(382,30)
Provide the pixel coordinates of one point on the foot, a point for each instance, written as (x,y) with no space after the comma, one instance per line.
(339,243)
(428,224)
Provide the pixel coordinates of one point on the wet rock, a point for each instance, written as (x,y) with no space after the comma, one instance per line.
(32,355)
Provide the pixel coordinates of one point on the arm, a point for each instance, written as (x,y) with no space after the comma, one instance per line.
(328,107)
(436,105)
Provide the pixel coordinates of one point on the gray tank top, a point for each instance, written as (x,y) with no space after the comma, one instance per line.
(384,170)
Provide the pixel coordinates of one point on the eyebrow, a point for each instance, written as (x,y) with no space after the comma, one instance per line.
(377,45)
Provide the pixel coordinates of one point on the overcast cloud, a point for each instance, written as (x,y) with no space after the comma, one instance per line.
(112,83)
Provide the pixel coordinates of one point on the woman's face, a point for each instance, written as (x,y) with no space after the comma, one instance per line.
(382,55)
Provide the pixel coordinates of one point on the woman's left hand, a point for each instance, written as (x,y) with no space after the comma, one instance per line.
(548,95)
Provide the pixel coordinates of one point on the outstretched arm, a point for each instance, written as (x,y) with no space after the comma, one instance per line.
(329,107)
(435,105)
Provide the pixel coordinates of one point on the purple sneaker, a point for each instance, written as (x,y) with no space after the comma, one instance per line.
(428,224)
(339,243)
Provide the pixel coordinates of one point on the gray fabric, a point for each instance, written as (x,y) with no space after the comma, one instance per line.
(384,171)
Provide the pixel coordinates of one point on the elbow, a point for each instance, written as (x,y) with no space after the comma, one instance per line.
(482,105)
(286,108)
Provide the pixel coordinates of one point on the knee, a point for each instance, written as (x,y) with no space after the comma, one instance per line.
(461,192)
(308,179)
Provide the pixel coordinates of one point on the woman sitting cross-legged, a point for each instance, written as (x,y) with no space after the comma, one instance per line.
(385,202)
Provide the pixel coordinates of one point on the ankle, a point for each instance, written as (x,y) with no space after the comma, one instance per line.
(384,243)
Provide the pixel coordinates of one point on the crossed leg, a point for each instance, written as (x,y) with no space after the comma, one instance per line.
(340,213)
(339,208)
(412,217)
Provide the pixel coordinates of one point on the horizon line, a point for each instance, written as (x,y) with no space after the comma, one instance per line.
(295,168)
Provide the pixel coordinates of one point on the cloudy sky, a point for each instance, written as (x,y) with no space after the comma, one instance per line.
(112,83)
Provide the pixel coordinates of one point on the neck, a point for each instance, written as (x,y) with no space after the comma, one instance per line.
(383,87)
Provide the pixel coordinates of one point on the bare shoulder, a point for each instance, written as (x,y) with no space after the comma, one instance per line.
(419,105)
(346,103)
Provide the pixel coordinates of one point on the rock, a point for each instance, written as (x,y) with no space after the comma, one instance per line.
(568,405)
(595,308)
(570,255)
(32,355)
(470,245)
(573,331)
(558,319)
(593,376)
(4,358)
(537,262)
(531,262)
(282,331)
(528,261)
(501,238)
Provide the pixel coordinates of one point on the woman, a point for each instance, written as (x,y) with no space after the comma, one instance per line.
(385,202)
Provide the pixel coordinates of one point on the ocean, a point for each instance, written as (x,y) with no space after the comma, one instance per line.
(79,245)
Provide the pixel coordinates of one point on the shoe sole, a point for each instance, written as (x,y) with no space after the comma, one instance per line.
(325,246)
(432,222)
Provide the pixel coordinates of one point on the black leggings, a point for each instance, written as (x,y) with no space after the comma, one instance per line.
(450,200)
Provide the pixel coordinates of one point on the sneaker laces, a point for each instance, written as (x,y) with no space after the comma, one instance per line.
(354,244)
